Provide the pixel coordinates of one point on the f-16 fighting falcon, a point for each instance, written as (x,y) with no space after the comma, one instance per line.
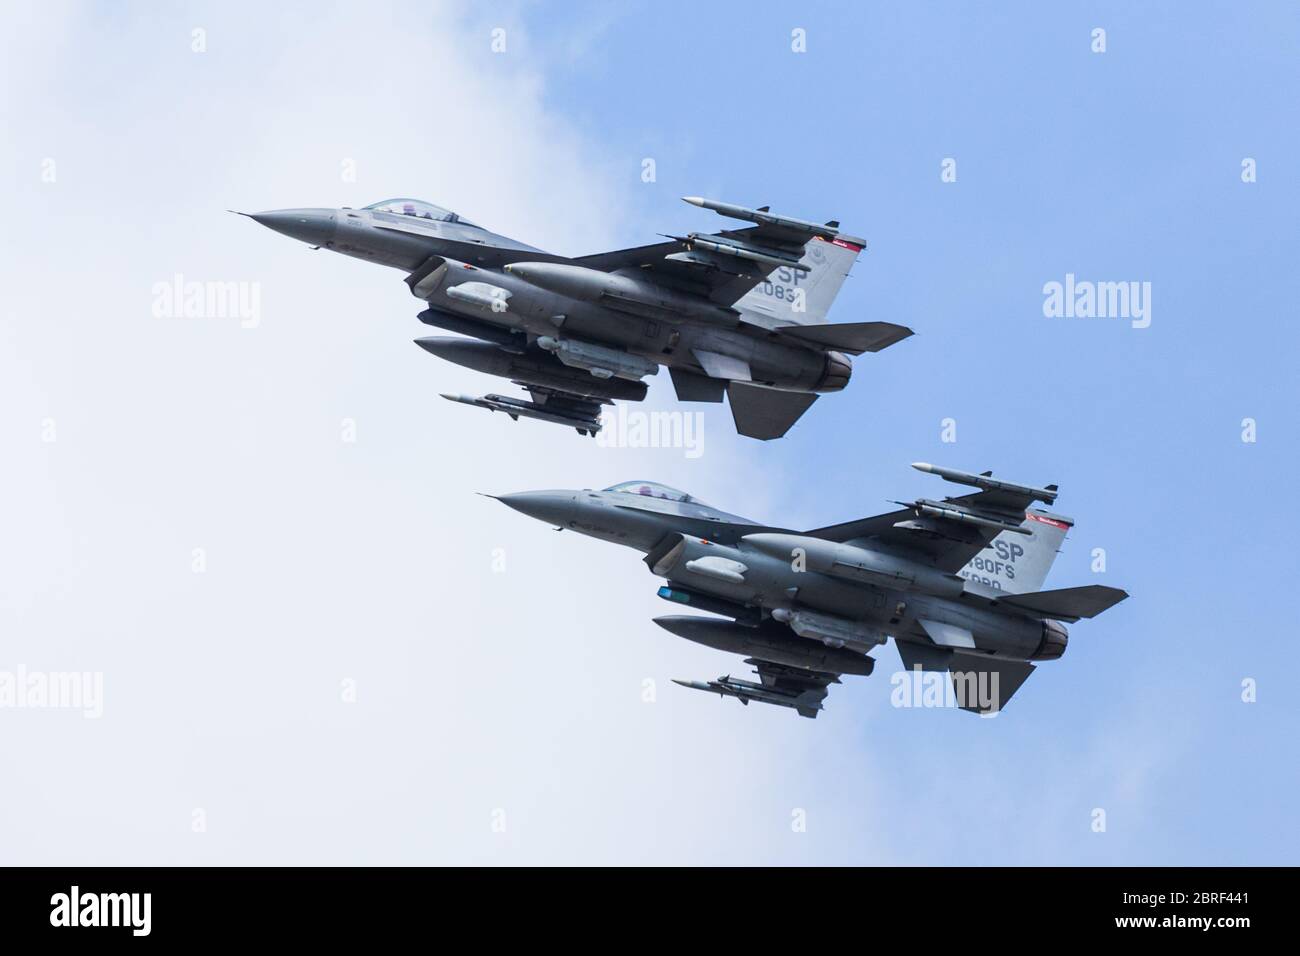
(955,582)
(740,311)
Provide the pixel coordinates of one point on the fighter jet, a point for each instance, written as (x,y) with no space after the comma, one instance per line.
(955,582)
(740,311)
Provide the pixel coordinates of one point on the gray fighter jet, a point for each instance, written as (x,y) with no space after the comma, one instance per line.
(955,582)
(741,311)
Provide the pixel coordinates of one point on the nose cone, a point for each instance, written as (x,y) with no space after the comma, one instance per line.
(553,507)
(312,226)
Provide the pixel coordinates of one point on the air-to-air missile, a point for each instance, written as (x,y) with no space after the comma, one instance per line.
(805,700)
(519,408)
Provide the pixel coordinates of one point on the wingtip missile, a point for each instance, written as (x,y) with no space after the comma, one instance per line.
(986,482)
(763,217)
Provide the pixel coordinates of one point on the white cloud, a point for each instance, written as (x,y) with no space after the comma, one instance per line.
(329,561)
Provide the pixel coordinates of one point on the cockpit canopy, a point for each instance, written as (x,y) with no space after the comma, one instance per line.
(418,209)
(652,489)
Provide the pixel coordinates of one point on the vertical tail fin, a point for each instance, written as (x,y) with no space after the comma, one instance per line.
(789,296)
(1017,563)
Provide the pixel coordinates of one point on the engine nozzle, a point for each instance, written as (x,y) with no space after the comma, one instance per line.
(1055,638)
(839,369)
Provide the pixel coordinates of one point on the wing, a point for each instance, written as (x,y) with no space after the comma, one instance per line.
(491,253)
(946,534)
(683,265)
(946,544)
(723,266)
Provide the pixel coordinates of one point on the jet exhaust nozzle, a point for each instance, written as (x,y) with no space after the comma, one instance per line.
(839,369)
(1055,639)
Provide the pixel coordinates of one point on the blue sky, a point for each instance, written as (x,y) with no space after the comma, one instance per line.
(1116,166)
(370,561)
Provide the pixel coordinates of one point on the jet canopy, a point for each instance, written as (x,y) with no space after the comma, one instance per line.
(419,210)
(652,489)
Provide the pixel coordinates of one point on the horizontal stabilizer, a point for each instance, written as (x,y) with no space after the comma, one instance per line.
(983,685)
(922,656)
(852,337)
(1067,604)
(980,684)
(766,413)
